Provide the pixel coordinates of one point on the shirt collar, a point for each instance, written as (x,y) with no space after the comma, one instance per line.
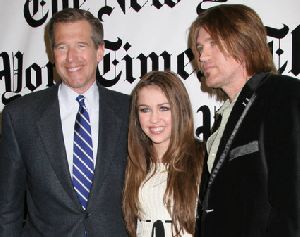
(70,95)
(227,105)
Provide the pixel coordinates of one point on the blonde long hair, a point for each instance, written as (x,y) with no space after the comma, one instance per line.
(184,156)
(238,30)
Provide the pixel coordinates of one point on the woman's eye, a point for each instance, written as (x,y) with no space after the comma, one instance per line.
(164,108)
(144,110)
(212,43)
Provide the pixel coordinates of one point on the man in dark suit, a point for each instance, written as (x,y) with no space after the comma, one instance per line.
(250,185)
(45,156)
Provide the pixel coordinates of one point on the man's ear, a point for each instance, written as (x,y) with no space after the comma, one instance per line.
(100,52)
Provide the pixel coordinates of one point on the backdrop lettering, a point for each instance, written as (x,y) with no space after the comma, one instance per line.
(140,36)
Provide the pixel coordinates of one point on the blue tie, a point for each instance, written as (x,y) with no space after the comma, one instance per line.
(83,165)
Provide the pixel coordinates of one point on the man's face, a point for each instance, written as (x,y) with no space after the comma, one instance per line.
(75,55)
(220,70)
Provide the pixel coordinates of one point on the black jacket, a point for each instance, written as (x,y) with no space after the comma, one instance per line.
(254,186)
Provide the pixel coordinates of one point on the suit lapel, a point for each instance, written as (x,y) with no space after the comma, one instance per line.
(239,111)
(50,129)
(109,129)
(235,115)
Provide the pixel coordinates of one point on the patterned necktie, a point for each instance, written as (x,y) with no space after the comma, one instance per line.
(83,165)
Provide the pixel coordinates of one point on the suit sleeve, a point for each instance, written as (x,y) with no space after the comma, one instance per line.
(12,181)
(282,150)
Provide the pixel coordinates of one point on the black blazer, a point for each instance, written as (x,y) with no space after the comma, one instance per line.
(33,160)
(254,186)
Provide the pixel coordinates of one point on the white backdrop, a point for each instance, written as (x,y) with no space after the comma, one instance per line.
(141,35)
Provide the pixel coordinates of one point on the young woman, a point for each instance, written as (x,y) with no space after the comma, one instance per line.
(165,160)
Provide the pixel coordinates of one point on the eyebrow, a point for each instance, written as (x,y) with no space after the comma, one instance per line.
(209,38)
(65,43)
(58,44)
(165,103)
(83,42)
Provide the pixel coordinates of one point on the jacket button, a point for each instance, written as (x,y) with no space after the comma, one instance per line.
(87,214)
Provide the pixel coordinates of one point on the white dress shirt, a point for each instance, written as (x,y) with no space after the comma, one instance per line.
(68,107)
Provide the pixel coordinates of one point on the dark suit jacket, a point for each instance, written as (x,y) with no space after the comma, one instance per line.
(254,187)
(33,159)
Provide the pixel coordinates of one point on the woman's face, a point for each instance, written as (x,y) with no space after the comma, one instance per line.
(155,116)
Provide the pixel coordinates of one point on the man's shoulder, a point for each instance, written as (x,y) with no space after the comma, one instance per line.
(33,100)
(115,100)
(278,93)
(113,97)
(111,93)
(285,79)
(280,85)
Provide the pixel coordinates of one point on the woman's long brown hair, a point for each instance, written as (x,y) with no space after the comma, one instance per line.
(184,157)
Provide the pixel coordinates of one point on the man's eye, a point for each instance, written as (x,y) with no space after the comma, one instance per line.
(81,46)
(199,49)
(60,47)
